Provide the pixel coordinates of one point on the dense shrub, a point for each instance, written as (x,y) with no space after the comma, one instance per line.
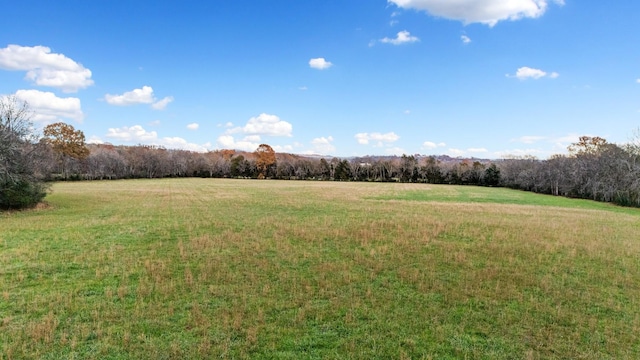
(21,194)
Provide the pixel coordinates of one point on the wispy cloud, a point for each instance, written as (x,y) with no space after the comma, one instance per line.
(161,104)
(136,134)
(403,37)
(395,151)
(431,145)
(526,72)
(365,138)
(467,152)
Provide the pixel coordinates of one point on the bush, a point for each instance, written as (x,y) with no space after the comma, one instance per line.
(21,194)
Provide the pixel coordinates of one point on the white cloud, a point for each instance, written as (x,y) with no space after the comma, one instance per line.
(48,108)
(638,81)
(467,152)
(193,126)
(282,148)
(465,39)
(264,124)
(323,145)
(488,12)
(364,138)
(526,72)
(94,140)
(303,88)
(161,104)
(403,37)
(253,138)
(432,145)
(228,124)
(261,125)
(136,134)
(564,141)
(320,63)
(228,142)
(559,145)
(180,143)
(135,96)
(138,96)
(45,68)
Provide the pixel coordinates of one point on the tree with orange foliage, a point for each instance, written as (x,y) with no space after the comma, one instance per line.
(265,158)
(67,142)
(588,145)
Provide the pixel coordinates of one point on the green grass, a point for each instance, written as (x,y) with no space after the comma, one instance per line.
(203,268)
(474,194)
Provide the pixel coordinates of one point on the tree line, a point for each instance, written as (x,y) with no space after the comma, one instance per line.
(593,168)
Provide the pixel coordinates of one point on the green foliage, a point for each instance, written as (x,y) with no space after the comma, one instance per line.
(21,194)
(492,175)
(342,171)
(239,167)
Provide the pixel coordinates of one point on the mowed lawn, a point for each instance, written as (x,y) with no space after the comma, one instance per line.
(211,268)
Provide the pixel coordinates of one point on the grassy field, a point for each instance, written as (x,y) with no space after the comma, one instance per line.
(204,268)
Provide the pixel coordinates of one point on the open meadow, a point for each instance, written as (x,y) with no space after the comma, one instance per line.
(213,268)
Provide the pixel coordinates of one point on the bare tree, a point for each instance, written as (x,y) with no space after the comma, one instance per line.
(20,183)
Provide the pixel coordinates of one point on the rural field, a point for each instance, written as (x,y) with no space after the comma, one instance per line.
(212,268)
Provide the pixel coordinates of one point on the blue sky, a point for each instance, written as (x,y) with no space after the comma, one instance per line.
(483,78)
